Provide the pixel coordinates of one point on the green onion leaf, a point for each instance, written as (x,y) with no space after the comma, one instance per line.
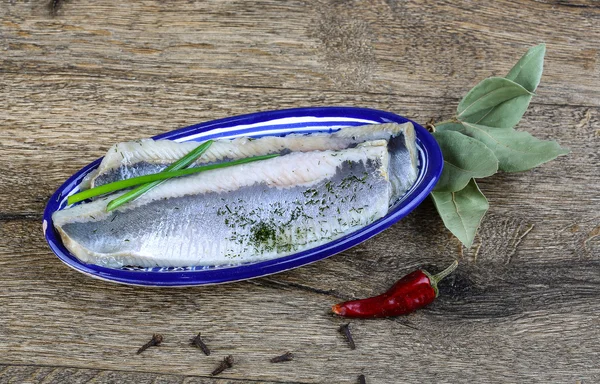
(122,184)
(184,162)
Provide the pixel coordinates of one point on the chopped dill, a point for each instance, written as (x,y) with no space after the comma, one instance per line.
(263,233)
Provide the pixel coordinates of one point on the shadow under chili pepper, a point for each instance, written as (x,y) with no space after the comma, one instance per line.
(455,286)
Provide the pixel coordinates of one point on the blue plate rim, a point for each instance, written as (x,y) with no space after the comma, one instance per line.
(431,174)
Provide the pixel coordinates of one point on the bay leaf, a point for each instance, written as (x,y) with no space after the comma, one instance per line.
(445,127)
(495,102)
(465,158)
(462,211)
(515,150)
(528,70)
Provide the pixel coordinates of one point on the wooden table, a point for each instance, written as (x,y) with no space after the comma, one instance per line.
(524,304)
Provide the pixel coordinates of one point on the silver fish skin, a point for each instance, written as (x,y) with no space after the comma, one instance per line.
(245,213)
(136,158)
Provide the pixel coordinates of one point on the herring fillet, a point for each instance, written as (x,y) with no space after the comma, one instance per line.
(251,212)
(136,158)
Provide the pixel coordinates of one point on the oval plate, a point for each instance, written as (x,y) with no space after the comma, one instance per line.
(282,122)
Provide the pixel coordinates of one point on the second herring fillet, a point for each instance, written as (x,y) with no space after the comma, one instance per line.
(136,158)
(244,213)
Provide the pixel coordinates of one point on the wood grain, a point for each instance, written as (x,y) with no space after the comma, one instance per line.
(27,374)
(524,303)
(387,47)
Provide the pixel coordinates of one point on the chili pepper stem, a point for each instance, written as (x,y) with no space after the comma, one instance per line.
(435,279)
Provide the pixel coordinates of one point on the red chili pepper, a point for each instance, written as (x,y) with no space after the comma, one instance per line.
(413,291)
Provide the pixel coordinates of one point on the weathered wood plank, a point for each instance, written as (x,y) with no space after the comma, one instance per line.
(29,374)
(488,311)
(400,47)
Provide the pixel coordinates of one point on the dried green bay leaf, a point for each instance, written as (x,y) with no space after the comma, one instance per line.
(516,150)
(465,158)
(495,102)
(528,70)
(488,113)
(462,211)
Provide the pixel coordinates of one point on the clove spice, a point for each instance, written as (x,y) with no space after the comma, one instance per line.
(54,6)
(361,379)
(226,363)
(345,330)
(288,356)
(198,343)
(155,341)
